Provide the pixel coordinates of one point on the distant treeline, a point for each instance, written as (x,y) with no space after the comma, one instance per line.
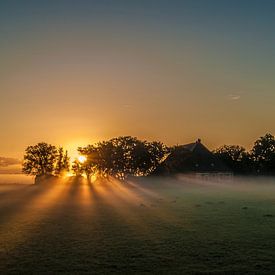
(118,157)
(259,160)
(128,156)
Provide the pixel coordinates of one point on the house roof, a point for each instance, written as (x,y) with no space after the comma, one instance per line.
(190,146)
(192,157)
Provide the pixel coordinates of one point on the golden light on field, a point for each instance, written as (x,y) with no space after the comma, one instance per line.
(82,159)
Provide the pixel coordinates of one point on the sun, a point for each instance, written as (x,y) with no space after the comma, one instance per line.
(82,159)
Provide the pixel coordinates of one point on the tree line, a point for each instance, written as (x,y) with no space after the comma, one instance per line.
(119,157)
(260,160)
(126,156)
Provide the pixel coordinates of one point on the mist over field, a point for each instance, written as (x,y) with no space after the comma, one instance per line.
(167,225)
(15,179)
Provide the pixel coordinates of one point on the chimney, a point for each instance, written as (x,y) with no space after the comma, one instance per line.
(199,140)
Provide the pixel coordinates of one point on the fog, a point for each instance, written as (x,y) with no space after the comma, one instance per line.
(149,224)
(15,179)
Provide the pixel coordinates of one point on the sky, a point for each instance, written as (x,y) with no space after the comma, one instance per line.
(76,72)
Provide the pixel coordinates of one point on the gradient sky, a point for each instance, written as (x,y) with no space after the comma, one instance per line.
(75,72)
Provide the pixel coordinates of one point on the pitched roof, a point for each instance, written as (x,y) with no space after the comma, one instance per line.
(192,146)
(192,157)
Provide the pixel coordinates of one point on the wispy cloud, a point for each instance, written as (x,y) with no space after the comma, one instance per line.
(233,96)
(127,106)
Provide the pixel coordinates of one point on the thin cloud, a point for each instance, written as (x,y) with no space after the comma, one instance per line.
(127,106)
(233,97)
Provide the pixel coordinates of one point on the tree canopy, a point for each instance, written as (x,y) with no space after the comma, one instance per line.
(122,157)
(39,159)
(45,159)
(263,154)
(235,157)
(259,160)
(62,162)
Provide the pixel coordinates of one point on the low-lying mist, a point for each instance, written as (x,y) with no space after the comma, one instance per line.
(181,224)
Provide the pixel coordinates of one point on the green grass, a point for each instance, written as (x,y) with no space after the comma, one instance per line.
(148,226)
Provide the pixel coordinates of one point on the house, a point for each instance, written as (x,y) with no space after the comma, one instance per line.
(191,158)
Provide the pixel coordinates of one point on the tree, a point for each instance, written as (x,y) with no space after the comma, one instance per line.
(62,163)
(102,159)
(122,157)
(77,168)
(40,159)
(235,157)
(146,156)
(157,151)
(263,154)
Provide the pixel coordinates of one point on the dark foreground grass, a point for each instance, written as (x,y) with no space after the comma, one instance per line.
(153,226)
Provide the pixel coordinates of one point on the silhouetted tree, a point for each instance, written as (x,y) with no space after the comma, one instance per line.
(263,154)
(62,163)
(123,156)
(157,151)
(77,168)
(40,159)
(146,156)
(235,157)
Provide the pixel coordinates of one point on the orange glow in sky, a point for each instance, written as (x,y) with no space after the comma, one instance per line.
(74,76)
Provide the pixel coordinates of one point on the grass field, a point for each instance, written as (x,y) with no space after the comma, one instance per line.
(161,226)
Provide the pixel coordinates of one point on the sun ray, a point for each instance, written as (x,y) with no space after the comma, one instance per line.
(32,212)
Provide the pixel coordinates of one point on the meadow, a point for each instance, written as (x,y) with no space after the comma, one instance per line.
(166,226)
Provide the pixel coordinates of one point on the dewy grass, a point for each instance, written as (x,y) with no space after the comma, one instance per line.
(143,226)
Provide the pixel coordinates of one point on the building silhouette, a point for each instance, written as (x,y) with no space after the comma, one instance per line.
(191,158)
